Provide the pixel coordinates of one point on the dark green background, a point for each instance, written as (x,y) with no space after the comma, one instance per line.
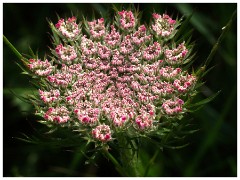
(212,150)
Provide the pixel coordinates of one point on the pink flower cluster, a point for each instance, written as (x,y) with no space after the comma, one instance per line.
(40,68)
(163,26)
(176,56)
(49,97)
(68,28)
(66,54)
(97,28)
(152,52)
(127,20)
(58,114)
(113,38)
(102,133)
(172,106)
(184,83)
(60,79)
(119,77)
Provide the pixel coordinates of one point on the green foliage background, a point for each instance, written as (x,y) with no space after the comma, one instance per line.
(212,150)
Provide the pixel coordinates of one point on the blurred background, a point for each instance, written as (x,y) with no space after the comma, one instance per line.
(212,150)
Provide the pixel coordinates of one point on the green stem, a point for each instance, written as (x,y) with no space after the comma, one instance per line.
(131,163)
(221,37)
(15,51)
(151,162)
(114,161)
(78,157)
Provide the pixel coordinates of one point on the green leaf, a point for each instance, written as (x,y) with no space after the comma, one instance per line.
(185,37)
(15,51)
(183,27)
(21,67)
(188,132)
(196,109)
(55,36)
(32,53)
(26,138)
(176,147)
(159,145)
(24,99)
(205,101)
(189,59)
(206,72)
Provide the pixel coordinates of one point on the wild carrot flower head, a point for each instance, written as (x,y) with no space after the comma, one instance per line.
(119,77)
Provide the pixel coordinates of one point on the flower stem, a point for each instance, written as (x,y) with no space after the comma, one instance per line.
(129,158)
(221,37)
(151,162)
(114,161)
(15,51)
